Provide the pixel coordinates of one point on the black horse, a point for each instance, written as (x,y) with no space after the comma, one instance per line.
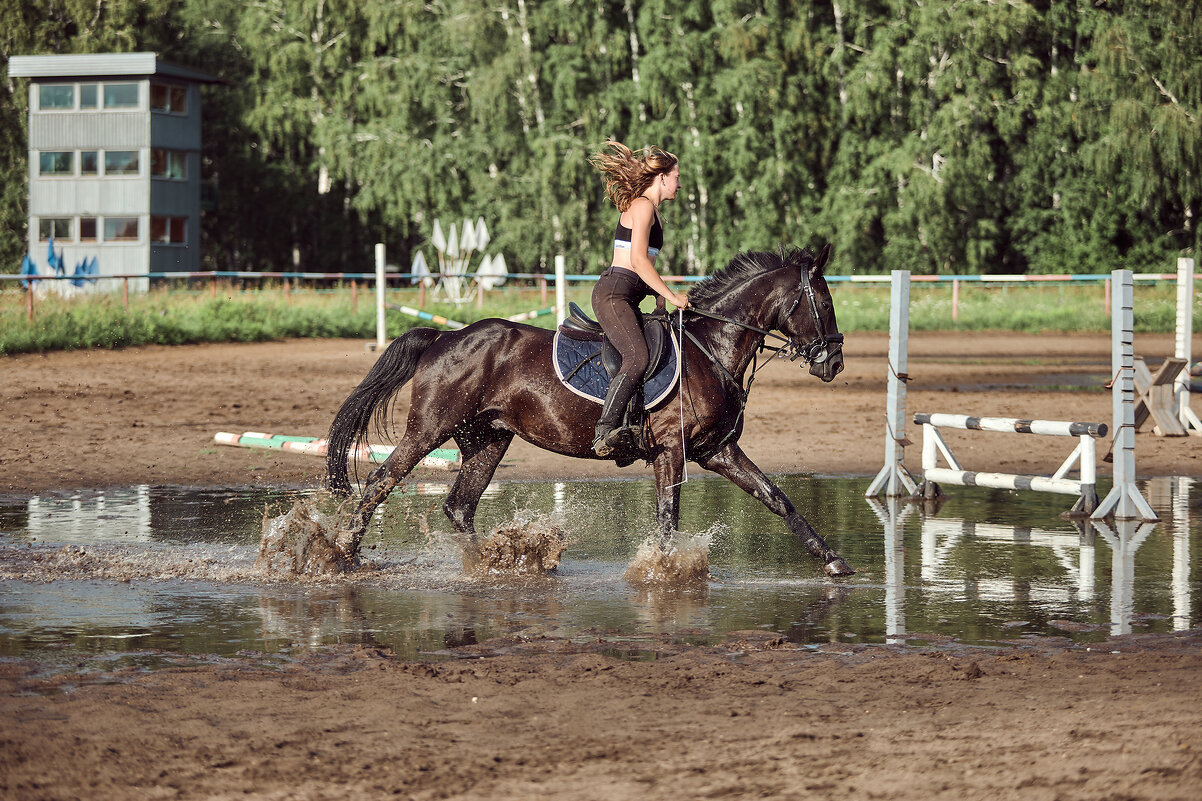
(485,383)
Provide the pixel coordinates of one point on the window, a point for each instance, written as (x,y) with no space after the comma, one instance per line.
(169,164)
(56,97)
(121,162)
(164,97)
(56,162)
(89,162)
(87,95)
(87,229)
(120,95)
(57,227)
(169,230)
(120,229)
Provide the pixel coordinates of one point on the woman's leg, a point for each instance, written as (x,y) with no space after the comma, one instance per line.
(615,304)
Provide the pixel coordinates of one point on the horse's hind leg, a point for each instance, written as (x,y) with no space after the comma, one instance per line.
(732,463)
(383,480)
(481,449)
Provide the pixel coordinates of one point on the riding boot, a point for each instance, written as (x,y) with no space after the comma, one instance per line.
(609,435)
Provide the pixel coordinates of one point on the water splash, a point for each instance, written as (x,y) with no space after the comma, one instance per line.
(299,542)
(682,561)
(523,547)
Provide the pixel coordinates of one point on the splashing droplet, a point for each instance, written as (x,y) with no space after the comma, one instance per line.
(299,542)
(520,548)
(681,562)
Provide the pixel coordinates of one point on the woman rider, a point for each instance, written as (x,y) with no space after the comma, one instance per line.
(637,182)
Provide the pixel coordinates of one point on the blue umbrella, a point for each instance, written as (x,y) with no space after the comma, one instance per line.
(81,270)
(55,259)
(28,268)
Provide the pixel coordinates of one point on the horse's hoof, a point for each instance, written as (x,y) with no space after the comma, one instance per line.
(837,568)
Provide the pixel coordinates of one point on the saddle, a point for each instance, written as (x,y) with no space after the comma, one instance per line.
(585,360)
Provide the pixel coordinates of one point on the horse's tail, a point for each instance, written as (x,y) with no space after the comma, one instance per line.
(391,371)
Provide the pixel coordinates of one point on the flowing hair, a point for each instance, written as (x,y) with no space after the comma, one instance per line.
(628,173)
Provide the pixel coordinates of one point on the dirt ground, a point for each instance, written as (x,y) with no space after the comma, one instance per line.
(754,717)
(95,419)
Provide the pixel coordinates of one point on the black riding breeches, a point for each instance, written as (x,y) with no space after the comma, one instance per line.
(616,303)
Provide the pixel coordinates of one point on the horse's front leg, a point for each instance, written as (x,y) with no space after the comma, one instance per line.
(668,465)
(732,463)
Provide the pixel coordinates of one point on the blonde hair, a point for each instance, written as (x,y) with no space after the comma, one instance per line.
(628,173)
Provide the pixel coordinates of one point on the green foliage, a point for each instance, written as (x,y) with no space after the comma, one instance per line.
(965,137)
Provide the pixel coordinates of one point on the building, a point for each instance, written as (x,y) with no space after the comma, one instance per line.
(114,161)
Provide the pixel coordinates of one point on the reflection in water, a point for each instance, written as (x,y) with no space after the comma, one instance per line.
(892,512)
(175,569)
(941,572)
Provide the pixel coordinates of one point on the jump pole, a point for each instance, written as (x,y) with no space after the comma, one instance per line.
(1125,501)
(893,478)
(1185,332)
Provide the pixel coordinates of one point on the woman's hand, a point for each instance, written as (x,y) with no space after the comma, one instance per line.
(680,300)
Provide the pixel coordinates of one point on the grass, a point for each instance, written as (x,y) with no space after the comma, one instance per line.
(182,315)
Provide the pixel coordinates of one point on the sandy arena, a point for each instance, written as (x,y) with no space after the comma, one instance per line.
(752,718)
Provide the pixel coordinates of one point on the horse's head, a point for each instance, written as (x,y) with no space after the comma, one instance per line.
(808,317)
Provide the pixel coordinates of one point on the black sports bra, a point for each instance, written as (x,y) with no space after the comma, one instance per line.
(655,237)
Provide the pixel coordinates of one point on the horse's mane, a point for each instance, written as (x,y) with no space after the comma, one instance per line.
(744,267)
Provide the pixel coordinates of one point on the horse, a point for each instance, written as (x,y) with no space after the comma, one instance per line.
(494,379)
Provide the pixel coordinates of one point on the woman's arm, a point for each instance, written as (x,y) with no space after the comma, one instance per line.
(640,214)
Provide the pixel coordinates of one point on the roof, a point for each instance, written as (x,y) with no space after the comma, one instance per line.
(102,64)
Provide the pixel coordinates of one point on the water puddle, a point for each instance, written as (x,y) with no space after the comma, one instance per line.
(143,575)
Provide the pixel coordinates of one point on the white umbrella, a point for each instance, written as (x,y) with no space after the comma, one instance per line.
(467,240)
(421,270)
(491,272)
(438,240)
(482,237)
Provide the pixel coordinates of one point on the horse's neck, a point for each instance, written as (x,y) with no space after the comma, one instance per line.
(732,346)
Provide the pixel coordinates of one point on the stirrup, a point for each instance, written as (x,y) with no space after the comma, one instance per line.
(614,440)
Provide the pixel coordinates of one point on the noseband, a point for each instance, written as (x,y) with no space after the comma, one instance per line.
(820,348)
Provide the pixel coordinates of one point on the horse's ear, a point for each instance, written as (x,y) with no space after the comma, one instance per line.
(824,257)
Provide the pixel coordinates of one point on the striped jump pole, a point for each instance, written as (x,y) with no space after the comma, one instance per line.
(443,458)
(1124,502)
(424,315)
(1083,457)
(893,479)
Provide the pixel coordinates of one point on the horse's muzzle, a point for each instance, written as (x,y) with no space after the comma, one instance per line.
(829,367)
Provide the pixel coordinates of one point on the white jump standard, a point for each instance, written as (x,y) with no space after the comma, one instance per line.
(1083,458)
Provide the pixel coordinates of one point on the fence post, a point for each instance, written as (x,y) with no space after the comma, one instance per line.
(381,326)
(29,302)
(955,300)
(561,289)
(894,476)
(354,296)
(1185,333)
(1125,502)
(125,294)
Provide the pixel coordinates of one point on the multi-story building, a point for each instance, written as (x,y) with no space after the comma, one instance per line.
(114,161)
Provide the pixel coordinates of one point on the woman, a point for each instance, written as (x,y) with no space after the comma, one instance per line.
(637,183)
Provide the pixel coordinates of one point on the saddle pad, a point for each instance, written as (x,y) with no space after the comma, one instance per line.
(578,366)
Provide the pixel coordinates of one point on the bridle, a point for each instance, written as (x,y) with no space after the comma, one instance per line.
(816,351)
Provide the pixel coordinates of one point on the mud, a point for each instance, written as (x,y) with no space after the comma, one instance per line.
(756,717)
